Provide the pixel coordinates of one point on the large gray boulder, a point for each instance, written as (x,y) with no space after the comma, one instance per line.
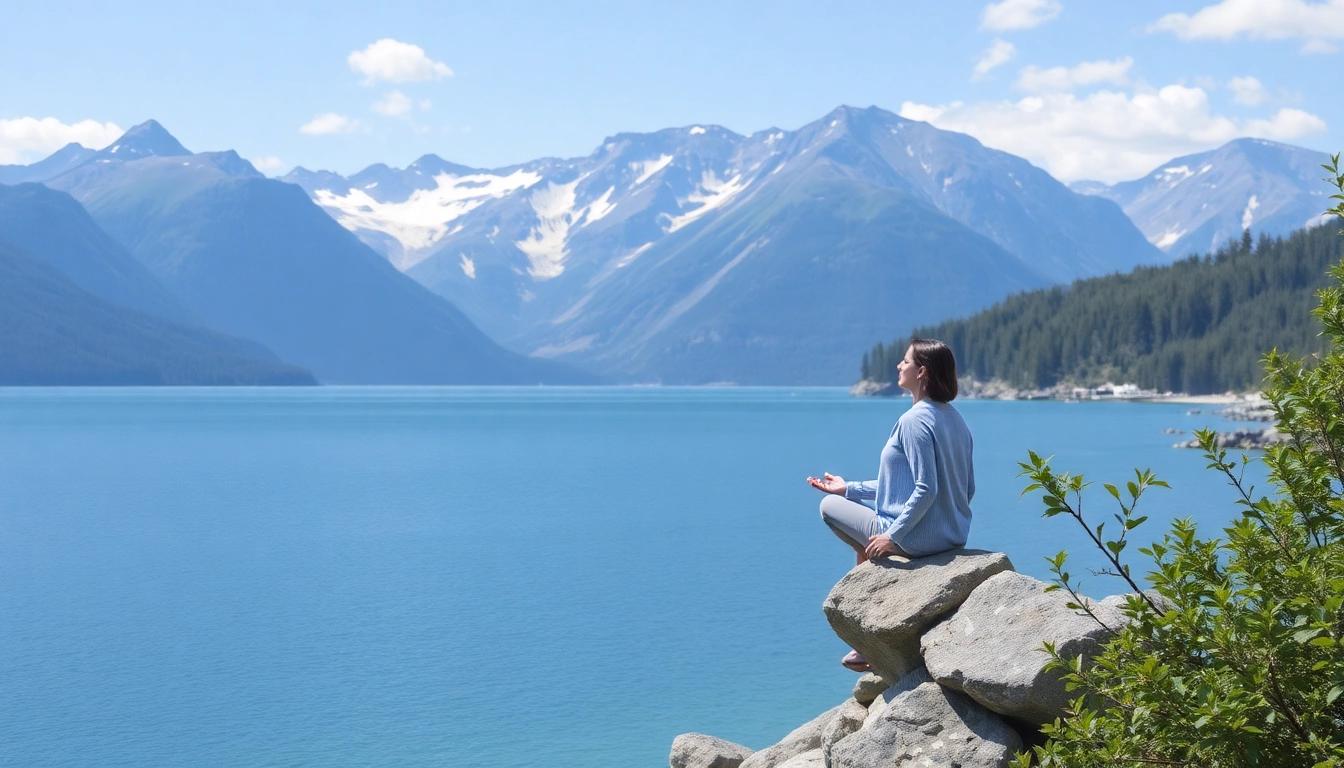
(698,750)
(848,719)
(990,648)
(925,724)
(882,607)
(804,738)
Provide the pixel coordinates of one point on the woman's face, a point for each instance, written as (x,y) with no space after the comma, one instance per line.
(909,373)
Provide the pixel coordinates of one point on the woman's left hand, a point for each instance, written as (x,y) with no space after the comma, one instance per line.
(879,546)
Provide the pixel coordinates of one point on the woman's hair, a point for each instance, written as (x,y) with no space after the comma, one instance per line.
(936,358)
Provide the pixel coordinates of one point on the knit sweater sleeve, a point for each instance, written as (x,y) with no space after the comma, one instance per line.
(916,439)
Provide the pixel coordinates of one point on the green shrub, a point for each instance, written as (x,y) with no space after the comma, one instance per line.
(1234,656)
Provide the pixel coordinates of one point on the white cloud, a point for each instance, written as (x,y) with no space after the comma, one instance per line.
(995,55)
(1318,46)
(1108,135)
(1036,79)
(26,140)
(328,123)
(1286,124)
(394,104)
(1247,90)
(1257,19)
(269,165)
(396,62)
(1018,14)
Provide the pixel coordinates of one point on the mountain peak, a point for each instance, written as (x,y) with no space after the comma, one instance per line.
(145,140)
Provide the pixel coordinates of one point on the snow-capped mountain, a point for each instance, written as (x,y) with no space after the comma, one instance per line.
(253,257)
(611,258)
(1196,203)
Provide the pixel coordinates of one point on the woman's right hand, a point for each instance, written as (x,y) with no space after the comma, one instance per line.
(828,483)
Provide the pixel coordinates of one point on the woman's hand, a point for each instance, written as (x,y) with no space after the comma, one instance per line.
(879,546)
(828,483)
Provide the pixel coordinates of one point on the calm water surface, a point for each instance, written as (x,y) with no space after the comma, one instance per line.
(467,576)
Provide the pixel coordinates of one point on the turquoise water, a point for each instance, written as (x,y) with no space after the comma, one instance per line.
(466,577)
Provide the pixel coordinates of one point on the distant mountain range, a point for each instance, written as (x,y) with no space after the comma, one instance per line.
(688,255)
(254,258)
(1196,203)
(697,255)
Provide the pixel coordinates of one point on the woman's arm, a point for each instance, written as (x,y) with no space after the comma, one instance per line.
(862,491)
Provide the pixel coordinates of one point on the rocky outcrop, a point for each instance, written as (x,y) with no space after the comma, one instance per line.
(960,634)
(871,388)
(697,750)
(1242,439)
(923,723)
(991,648)
(882,607)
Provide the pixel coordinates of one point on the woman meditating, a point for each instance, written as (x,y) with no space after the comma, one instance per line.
(920,503)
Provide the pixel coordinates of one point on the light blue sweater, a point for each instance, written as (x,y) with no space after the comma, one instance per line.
(925,480)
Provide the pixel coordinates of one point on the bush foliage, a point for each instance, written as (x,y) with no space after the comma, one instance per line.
(1234,656)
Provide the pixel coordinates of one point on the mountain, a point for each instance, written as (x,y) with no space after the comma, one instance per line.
(54,228)
(255,258)
(65,158)
(696,254)
(1199,325)
(54,332)
(1198,202)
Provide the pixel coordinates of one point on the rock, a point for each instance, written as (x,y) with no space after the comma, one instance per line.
(990,649)
(1254,408)
(879,705)
(847,720)
(804,738)
(810,759)
(881,607)
(1242,439)
(926,724)
(869,687)
(697,750)
(870,388)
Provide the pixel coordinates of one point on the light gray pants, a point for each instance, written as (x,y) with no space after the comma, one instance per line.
(851,521)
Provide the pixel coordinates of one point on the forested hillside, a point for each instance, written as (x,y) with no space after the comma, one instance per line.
(1199,325)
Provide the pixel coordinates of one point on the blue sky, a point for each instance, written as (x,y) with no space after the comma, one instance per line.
(1083,89)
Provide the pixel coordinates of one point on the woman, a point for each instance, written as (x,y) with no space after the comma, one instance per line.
(920,503)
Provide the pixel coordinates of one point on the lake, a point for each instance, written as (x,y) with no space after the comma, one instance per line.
(499,577)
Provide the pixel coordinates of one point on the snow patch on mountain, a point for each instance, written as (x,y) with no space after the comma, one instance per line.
(1248,215)
(546,244)
(1166,239)
(630,257)
(713,193)
(1175,174)
(648,168)
(600,207)
(555,350)
(422,220)
(697,130)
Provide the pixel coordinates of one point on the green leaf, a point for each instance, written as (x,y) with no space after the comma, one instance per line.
(1303,635)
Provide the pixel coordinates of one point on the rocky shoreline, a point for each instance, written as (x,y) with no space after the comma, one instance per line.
(956,642)
(1244,406)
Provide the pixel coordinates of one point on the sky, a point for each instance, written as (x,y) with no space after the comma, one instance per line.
(1086,90)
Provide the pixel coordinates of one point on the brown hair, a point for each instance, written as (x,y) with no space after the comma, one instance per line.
(940,366)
